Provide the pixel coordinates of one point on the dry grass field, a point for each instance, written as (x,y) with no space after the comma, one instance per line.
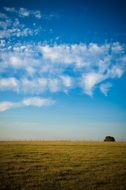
(62,165)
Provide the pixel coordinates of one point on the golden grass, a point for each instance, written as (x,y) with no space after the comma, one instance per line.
(67,165)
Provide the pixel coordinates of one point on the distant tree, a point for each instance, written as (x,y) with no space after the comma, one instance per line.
(109,138)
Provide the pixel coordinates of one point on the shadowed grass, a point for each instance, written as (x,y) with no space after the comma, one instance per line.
(67,165)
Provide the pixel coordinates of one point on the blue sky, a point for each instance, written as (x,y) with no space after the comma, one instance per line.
(62,69)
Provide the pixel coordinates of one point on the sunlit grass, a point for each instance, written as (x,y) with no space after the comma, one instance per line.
(36,165)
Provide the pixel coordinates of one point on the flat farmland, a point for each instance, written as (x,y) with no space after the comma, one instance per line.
(62,165)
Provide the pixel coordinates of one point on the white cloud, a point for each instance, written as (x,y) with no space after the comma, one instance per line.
(95,49)
(10,9)
(23,12)
(8,83)
(16,32)
(80,55)
(105,88)
(39,102)
(36,69)
(34,101)
(67,81)
(30,86)
(5,106)
(90,80)
(116,71)
(64,54)
(37,14)
(116,47)
(54,85)
(15,61)
(11,27)
(5,24)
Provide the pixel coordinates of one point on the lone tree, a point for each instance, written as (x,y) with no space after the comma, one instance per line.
(109,138)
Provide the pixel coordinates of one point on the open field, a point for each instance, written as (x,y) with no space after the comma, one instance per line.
(67,165)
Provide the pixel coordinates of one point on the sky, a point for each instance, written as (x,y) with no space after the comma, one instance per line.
(62,69)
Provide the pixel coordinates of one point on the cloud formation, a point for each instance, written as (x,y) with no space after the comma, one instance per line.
(12,26)
(35,68)
(40,68)
(5,106)
(34,101)
(23,12)
(105,88)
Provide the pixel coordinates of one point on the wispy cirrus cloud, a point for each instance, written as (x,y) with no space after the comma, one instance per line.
(23,12)
(44,68)
(34,68)
(13,26)
(105,88)
(5,106)
(8,83)
(37,101)
(33,101)
(90,80)
(10,9)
